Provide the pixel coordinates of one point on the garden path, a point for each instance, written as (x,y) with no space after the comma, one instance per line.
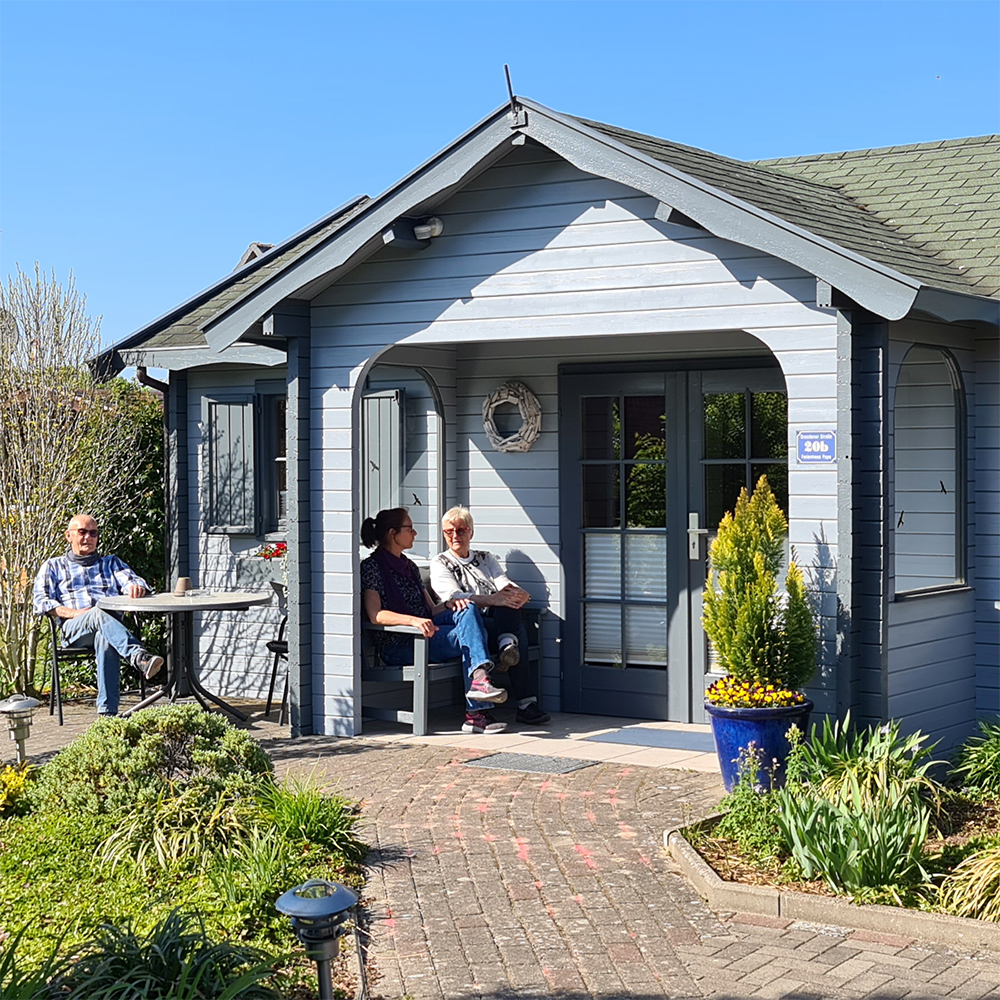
(497,884)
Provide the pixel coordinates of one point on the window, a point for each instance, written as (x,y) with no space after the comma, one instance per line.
(928,487)
(245,461)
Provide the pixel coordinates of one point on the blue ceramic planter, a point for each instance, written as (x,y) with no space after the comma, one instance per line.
(735,728)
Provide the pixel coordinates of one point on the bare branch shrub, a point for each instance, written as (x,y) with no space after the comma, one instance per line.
(64,446)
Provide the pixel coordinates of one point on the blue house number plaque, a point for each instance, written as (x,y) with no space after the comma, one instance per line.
(816,447)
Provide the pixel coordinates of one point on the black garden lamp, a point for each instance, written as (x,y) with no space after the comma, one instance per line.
(18,710)
(318,910)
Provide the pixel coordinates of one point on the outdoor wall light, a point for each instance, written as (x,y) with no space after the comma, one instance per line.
(318,910)
(429,229)
(19,709)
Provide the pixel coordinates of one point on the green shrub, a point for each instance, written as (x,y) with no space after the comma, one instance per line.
(977,762)
(861,769)
(973,887)
(304,813)
(13,784)
(750,814)
(176,960)
(123,764)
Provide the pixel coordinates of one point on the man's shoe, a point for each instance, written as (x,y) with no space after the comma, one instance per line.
(149,664)
(510,656)
(482,722)
(533,715)
(482,690)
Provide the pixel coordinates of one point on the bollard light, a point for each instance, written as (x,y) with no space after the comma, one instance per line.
(318,910)
(18,710)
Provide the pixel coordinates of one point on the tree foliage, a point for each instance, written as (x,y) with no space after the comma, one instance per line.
(68,443)
(760,636)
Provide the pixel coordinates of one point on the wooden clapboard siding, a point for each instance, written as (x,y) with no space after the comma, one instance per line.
(542,265)
(986,451)
(229,646)
(931,667)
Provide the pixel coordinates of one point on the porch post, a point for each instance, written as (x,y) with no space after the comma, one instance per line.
(176,487)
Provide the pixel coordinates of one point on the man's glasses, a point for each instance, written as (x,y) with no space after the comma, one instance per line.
(84,532)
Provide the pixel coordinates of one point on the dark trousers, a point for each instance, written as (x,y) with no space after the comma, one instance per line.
(523,683)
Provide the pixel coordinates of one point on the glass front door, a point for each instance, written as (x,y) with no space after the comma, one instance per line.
(644,457)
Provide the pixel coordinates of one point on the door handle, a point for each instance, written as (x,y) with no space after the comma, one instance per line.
(694,536)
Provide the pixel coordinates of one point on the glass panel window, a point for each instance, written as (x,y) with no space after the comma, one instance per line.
(646,495)
(725,425)
(602,566)
(928,492)
(602,634)
(722,488)
(769,425)
(601,431)
(601,507)
(645,421)
(777,477)
(646,636)
(646,567)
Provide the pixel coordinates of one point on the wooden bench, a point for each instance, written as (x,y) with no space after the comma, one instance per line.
(421,673)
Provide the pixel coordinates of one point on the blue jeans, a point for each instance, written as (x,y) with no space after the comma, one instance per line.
(460,633)
(110,641)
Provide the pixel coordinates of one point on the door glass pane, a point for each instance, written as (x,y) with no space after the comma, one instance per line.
(646,566)
(602,568)
(645,420)
(646,495)
(601,508)
(722,488)
(777,477)
(725,425)
(602,634)
(601,427)
(646,636)
(769,425)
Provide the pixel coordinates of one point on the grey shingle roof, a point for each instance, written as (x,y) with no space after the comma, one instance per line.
(930,211)
(185,329)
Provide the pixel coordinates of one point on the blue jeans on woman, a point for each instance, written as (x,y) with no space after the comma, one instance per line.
(460,634)
(111,641)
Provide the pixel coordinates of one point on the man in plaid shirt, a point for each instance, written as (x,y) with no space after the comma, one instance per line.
(68,587)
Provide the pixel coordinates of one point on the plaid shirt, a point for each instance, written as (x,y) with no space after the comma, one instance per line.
(62,582)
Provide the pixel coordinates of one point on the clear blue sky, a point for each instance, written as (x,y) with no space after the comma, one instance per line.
(144,145)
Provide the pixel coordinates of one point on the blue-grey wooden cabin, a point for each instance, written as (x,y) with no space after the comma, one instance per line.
(687,322)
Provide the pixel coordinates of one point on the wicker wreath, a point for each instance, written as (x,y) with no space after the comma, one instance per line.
(531,416)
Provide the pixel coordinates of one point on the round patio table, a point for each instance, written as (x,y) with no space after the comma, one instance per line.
(182,665)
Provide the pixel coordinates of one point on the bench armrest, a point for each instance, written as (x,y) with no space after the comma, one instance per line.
(405,629)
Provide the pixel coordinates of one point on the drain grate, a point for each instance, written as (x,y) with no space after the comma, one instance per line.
(530,762)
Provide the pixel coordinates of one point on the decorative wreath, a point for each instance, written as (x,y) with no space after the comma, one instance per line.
(531,417)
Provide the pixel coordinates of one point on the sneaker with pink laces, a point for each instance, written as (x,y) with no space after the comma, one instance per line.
(482,689)
(482,722)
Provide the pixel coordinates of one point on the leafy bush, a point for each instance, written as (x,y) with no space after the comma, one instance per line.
(861,769)
(760,637)
(978,761)
(302,812)
(123,764)
(175,961)
(750,815)
(973,888)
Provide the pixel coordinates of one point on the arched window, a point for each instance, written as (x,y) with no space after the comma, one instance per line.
(929,480)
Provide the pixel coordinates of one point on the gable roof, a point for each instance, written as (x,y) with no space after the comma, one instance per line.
(884,226)
(931,210)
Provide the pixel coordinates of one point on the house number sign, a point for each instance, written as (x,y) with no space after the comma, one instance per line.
(815,447)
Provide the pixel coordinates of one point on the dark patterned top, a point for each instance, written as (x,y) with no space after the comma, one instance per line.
(371,579)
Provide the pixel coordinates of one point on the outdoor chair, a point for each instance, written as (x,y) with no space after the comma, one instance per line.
(279,647)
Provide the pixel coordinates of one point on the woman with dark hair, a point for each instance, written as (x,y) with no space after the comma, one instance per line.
(392,593)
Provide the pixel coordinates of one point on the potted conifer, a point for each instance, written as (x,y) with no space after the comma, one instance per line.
(764,639)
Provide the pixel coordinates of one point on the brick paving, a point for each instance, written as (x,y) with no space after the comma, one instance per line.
(499,884)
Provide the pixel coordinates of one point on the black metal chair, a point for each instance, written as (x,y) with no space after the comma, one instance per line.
(279,647)
(61,652)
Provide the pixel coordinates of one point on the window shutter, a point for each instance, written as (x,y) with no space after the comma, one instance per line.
(230,467)
(381,450)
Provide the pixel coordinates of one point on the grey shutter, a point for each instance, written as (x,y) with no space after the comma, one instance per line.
(229,425)
(381,450)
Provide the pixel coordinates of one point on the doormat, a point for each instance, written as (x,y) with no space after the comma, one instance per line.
(530,762)
(666,739)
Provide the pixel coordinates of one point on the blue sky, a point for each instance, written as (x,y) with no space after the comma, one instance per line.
(145,144)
